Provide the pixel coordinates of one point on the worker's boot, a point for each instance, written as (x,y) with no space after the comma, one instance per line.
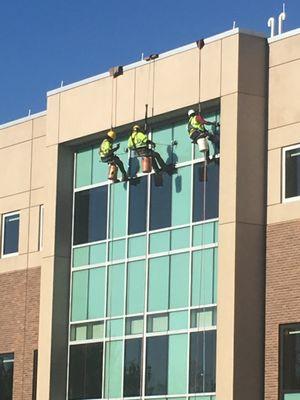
(170,169)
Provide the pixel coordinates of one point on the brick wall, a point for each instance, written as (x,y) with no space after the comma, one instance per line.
(19,319)
(282,294)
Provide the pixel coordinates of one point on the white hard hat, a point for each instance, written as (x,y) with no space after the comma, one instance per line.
(191,112)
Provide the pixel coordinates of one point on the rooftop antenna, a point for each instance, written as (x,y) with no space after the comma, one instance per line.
(142,57)
(29,112)
(271,24)
(61,83)
(234,25)
(281,18)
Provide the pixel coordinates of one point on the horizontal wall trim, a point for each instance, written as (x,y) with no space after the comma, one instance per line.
(24,119)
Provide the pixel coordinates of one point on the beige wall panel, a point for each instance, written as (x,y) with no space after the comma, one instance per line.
(125,98)
(85,109)
(52,124)
(45,331)
(211,71)
(37,197)
(14,203)
(176,81)
(143,91)
(15,169)
(274,176)
(15,263)
(284,136)
(15,134)
(251,156)
(50,201)
(226,304)
(35,259)
(228,145)
(39,126)
(284,94)
(34,229)
(283,212)
(252,65)
(23,231)
(39,170)
(230,61)
(285,50)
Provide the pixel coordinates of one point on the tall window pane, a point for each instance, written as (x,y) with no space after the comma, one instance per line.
(132,367)
(90,215)
(10,244)
(157,366)
(202,362)
(211,187)
(113,369)
(290,358)
(6,376)
(137,205)
(292,173)
(85,380)
(160,203)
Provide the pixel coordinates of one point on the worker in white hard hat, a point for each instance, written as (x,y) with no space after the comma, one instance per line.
(196,128)
(107,153)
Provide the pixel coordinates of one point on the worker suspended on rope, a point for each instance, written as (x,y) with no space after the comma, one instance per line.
(139,143)
(107,153)
(197,131)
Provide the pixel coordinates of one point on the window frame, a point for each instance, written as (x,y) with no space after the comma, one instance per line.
(4,216)
(283,177)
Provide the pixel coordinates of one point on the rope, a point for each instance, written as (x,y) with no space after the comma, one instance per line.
(199,79)
(112,103)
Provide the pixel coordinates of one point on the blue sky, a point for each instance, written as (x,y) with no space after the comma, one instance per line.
(43,42)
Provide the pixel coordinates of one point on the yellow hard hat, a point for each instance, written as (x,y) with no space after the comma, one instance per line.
(112,134)
(136,128)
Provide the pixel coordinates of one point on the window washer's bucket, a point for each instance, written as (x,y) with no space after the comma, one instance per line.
(146,164)
(113,172)
(202,144)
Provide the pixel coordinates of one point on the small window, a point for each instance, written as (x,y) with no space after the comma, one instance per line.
(10,234)
(290,360)
(6,376)
(291,172)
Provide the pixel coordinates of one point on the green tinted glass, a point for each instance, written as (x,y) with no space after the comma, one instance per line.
(115,293)
(99,169)
(80,295)
(98,253)
(117,250)
(180,238)
(181,196)
(135,287)
(137,246)
(80,256)
(160,242)
(114,327)
(178,320)
(203,270)
(96,293)
(113,369)
(158,291)
(177,376)
(179,280)
(118,207)
(83,167)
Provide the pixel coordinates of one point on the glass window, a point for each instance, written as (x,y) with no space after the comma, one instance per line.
(99,169)
(158,291)
(181,196)
(132,367)
(113,369)
(83,167)
(115,293)
(158,323)
(202,377)
(290,359)
(97,253)
(163,139)
(134,325)
(118,209)
(178,320)
(80,295)
(6,376)
(135,297)
(211,187)
(292,173)
(179,280)
(117,249)
(203,317)
(10,234)
(85,379)
(157,365)
(180,238)
(137,205)
(205,234)
(90,215)
(160,204)
(137,246)
(114,328)
(177,376)
(160,242)
(182,151)
(81,256)
(96,296)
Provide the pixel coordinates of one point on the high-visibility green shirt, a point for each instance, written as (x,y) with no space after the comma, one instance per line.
(195,125)
(105,148)
(137,139)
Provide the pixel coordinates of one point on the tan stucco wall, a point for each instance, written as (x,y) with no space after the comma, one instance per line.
(284,121)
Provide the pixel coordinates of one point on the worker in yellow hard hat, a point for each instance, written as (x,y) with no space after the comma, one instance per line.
(107,153)
(139,142)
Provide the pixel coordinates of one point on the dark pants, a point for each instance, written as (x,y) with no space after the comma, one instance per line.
(113,159)
(157,161)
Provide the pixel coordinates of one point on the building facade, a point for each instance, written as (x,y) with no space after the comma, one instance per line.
(139,290)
